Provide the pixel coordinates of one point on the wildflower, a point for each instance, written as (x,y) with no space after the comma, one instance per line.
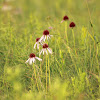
(72,24)
(32,58)
(37,43)
(45,49)
(50,27)
(65,18)
(45,35)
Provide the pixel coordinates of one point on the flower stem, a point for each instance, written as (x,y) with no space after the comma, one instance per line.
(39,77)
(35,76)
(49,71)
(46,74)
(66,31)
(74,40)
(40,62)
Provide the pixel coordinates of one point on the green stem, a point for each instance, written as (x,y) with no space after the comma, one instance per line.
(49,71)
(74,40)
(40,62)
(66,31)
(35,77)
(46,74)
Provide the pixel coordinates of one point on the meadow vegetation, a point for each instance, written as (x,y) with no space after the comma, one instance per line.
(71,72)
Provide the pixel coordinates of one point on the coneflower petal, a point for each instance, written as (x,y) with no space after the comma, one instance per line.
(38,46)
(42,38)
(62,21)
(27,60)
(41,52)
(33,60)
(38,58)
(30,61)
(46,52)
(35,45)
(50,50)
(48,37)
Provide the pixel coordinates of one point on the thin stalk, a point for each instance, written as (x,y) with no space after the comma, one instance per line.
(49,70)
(40,62)
(66,31)
(46,74)
(35,76)
(39,77)
(74,40)
(89,16)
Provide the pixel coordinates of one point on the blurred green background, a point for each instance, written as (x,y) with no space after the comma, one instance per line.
(76,10)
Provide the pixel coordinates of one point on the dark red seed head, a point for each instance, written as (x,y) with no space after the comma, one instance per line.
(65,18)
(72,24)
(32,55)
(37,39)
(45,45)
(46,32)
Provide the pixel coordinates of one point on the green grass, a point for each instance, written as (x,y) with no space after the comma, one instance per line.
(72,72)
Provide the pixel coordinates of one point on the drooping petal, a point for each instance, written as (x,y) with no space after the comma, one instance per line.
(33,60)
(41,52)
(38,58)
(42,38)
(50,50)
(27,60)
(35,45)
(46,52)
(38,45)
(30,61)
(48,37)
(62,21)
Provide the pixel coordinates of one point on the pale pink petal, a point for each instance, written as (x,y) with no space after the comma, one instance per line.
(27,60)
(30,61)
(42,38)
(33,60)
(46,52)
(38,45)
(48,37)
(62,21)
(50,50)
(41,52)
(38,58)
(35,45)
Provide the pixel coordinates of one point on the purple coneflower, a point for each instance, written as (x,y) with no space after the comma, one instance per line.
(72,24)
(37,43)
(32,58)
(45,35)
(65,18)
(45,49)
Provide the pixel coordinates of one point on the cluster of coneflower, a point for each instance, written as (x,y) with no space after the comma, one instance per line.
(45,47)
(41,42)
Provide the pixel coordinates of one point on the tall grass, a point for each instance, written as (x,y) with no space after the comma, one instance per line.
(72,72)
